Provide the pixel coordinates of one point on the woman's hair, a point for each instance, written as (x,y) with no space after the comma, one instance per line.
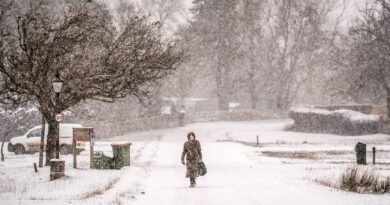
(189,135)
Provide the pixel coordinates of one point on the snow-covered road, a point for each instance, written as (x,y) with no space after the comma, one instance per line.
(283,170)
(233,177)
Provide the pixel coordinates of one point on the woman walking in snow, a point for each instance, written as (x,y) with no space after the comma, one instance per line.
(193,155)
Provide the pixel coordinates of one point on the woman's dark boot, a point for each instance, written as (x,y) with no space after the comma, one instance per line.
(193,183)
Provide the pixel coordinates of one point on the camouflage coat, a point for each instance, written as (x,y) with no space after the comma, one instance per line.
(193,154)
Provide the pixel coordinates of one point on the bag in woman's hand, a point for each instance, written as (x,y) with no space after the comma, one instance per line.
(202,169)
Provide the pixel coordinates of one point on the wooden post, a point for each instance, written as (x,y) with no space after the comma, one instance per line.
(57,169)
(373,155)
(257,140)
(82,134)
(74,144)
(35,167)
(90,151)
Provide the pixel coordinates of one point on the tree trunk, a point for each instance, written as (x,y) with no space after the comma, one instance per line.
(253,95)
(387,89)
(2,146)
(42,142)
(51,140)
(223,103)
(388,103)
(279,100)
(252,88)
(253,101)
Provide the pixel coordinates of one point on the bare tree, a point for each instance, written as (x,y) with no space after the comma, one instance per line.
(180,83)
(5,133)
(82,46)
(166,12)
(4,7)
(124,10)
(371,51)
(215,28)
(302,42)
(255,48)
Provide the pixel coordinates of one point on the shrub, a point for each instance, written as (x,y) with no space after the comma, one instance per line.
(363,181)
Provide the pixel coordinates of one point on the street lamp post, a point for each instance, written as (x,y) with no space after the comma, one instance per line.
(57,87)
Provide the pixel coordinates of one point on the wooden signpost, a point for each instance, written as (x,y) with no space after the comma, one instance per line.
(83,134)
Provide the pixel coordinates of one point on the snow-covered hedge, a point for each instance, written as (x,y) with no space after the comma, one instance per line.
(342,122)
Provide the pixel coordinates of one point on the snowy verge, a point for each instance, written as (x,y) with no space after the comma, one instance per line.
(19,184)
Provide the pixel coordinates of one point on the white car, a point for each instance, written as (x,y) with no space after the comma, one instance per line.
(30,142)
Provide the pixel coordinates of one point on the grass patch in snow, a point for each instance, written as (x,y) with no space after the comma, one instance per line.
(358,180)
(364,181)
(11,186)
(290,155)
(303,154)
(252,144)
(100,190)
